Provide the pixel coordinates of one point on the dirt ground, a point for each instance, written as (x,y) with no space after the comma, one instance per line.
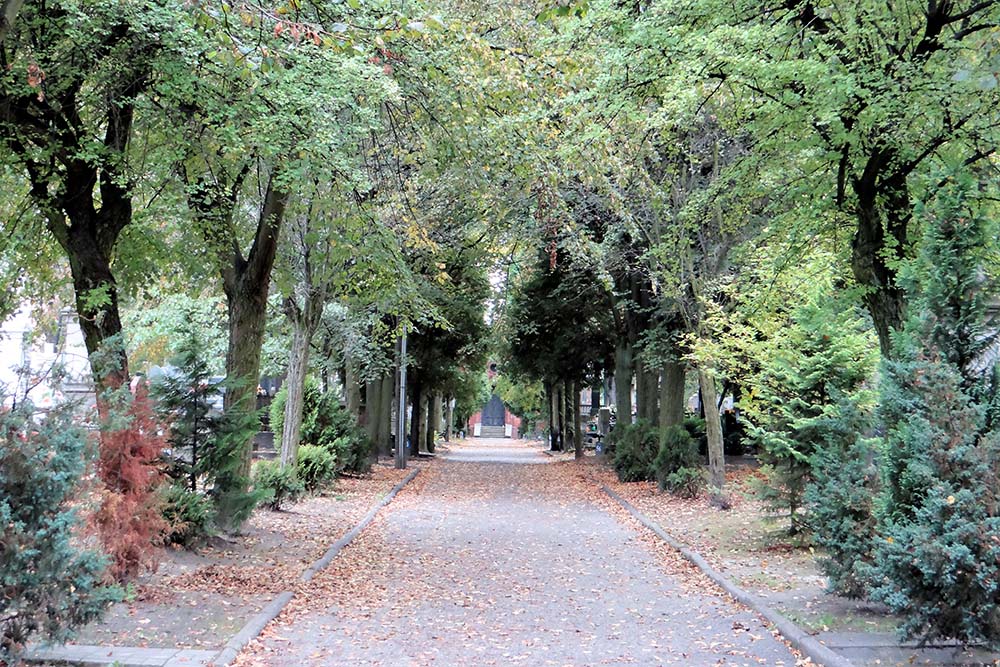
(201,598)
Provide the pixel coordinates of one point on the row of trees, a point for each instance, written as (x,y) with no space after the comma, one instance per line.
(792,203)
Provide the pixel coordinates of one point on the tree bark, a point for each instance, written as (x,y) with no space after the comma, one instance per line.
(352,390)
(595,401)
(449,418)
(425,421)
(647,391)
(416,398)
(295,382)
(434,423)
(623,382)
(550,414)
(713,431)
(384,444)
(373,412)
(671,394)
(577,423)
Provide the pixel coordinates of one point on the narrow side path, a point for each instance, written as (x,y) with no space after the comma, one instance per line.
(497,563)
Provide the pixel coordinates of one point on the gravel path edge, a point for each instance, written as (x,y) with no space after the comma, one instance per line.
(795,635)
(256,625)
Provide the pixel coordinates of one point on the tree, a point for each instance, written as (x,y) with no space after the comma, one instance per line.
(854,104)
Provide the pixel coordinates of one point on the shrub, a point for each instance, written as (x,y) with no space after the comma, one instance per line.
(824,353)
(51,583)
(677,464)
(316,466)
(207,446)
(841,504)
(326,423)
(636,446)
(188,514)
(938,553)
(276,485)
(129,520)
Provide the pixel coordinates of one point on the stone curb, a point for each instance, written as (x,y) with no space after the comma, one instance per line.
(256,625)
(793,633)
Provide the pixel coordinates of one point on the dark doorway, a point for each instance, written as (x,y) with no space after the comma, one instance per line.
(494,413)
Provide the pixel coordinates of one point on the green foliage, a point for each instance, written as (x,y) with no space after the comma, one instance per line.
(189,515)
(276,485)
(677,466)
(326,423)
(636,447)
(825,352)
(51,583)
(841,505)
(938,552)
(206,446)
(315,466)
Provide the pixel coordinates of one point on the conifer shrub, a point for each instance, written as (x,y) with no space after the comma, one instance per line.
(938,547)
(328,424)
(129,520)
(636,446)
(677,464)
(316,466)
(275,485)
(207,447)
(189,515)
(841,498)
(52,583)
(826,352)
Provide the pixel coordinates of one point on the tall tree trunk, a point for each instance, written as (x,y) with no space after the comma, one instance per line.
(577,423)
(246,282)
(425,401)
(623,382)
(647,390)
(384,443)
(295,383)
(434,426)
(671,394)
(449,410)
(595,400)
(352,390)
(713,430)
(416,399)
(373,413)
(550,414)
(561,416)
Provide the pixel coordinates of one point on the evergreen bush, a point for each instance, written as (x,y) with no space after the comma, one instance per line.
(51,583)
(207,447)
(276,485)
(189,515)
(825,352)
(938,552)
(677,464)
(636,446)
(841,499)
(315,466)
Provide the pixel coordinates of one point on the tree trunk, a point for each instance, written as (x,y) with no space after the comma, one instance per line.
(384,443)
(595,401)
(623,382)
(713,430)
(373,413)
(434,426)
(425,421)
(671,394)
(352,390)
(577,423)
(246,283)
(295,382)
(550,414)
(416,399)
(874,257)
(449,418)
